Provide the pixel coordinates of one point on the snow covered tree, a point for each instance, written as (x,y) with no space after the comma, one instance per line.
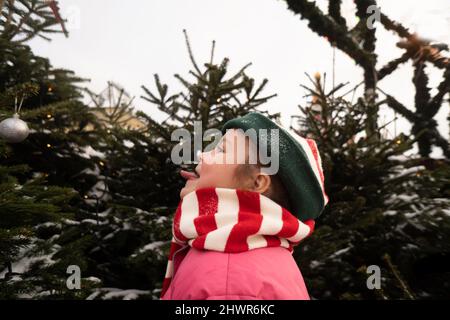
(143,183)
(386,209)
(24,205)
(45,176)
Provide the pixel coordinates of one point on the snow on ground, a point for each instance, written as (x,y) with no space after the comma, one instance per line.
(23,264)
(115,293)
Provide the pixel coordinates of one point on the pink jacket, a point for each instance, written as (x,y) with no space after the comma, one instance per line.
(259,274)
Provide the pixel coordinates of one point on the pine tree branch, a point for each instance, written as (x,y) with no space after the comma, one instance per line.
(429,125)
(420,81)
(334,10)
(443,88)
(401,109)
(394,270)
(35,19)
(326,27)
(397,27)
(10,14)
(22,21)
(392,66)
(240,72)
(191,56)
(213,46)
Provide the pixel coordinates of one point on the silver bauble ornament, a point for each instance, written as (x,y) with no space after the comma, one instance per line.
(14,129)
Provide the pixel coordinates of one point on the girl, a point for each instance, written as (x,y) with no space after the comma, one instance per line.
(235,228)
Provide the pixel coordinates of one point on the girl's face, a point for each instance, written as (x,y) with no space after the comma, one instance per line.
(217,168)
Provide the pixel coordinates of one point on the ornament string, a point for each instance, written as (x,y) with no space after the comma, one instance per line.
(18,108)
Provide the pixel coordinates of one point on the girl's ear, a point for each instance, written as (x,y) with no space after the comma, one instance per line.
(261,183)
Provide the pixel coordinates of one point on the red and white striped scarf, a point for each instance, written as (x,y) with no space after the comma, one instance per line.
(229,220)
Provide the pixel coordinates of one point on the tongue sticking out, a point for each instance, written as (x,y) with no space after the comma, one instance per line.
(188,175)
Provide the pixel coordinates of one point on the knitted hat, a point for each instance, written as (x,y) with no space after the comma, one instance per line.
(300,164)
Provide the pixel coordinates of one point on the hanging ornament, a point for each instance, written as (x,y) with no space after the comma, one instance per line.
(14,130)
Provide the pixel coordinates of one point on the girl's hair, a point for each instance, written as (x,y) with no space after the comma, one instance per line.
(277,191)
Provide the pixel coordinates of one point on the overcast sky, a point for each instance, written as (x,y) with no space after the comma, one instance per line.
(129,41)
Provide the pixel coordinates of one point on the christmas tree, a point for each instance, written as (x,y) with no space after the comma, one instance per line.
(45,175)
(386,209)
(143,183)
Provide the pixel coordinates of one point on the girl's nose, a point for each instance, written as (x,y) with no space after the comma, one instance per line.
(205,157)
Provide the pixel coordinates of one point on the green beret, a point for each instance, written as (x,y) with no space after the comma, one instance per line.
(300,164)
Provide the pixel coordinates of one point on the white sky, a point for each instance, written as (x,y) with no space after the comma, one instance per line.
(129,41)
